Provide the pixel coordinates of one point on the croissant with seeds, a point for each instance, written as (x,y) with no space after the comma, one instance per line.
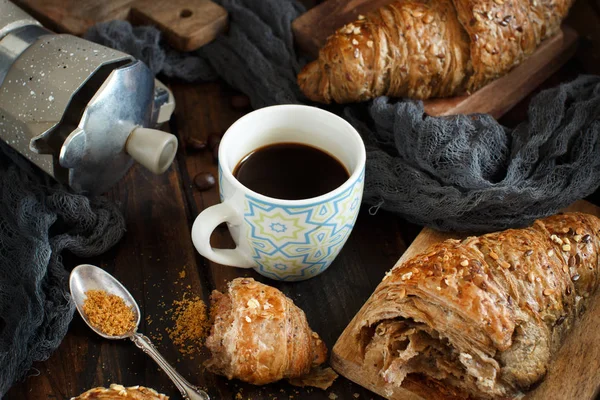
(430,48)
(483,317)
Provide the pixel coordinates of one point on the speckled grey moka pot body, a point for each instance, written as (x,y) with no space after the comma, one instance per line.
(69,105)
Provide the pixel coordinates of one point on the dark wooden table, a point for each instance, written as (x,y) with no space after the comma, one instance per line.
(159,211)
(156,248)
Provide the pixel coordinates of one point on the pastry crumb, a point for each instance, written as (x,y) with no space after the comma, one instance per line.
(253,303)
(319,377)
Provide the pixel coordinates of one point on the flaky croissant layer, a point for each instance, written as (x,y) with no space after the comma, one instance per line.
(260,336)
(430,48)
(482,316)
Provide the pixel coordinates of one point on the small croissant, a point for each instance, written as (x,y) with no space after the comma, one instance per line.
(259,336)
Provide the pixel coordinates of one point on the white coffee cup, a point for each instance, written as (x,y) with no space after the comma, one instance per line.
(284,239)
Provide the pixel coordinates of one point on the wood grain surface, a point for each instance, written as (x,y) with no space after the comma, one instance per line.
(74,16)
(157,248)
(573,372)
(157,262)
(186,24)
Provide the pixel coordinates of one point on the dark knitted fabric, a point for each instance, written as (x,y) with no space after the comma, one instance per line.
(38,221)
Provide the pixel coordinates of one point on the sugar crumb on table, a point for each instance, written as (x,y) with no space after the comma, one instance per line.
(191,324)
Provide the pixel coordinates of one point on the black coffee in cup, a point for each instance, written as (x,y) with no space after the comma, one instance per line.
(290,171)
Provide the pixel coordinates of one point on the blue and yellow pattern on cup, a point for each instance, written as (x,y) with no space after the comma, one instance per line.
(294,243)
(290,240)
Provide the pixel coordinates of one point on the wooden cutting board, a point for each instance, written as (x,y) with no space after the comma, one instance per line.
(573,373)
(313,27)
(186,24)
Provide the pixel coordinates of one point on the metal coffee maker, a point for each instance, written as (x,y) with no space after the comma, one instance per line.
(80,111)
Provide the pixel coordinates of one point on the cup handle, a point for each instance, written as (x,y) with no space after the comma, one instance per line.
(203,227)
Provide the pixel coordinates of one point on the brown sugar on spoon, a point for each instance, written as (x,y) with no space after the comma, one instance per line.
(108,313)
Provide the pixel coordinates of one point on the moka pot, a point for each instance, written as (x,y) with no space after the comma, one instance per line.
(80,111)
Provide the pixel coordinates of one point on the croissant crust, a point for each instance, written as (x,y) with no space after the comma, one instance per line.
(484,315)
(260,336)
(120,392)
(430,48)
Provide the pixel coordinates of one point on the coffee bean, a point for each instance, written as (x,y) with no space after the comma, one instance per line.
(213,140)
(204,181)
(240,102)
(195,144)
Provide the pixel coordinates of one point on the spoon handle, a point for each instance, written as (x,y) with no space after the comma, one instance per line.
(188,391)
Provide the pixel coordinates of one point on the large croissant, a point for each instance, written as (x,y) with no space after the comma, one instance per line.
(429,48)
(260,336)
(482,316)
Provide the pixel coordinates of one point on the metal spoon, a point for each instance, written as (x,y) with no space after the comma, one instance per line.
(88,277)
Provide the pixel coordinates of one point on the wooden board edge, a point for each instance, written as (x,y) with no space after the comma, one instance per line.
(347,363)
(305,43)
(140,14)
(67,23)
(583,206)
(576,346)
(219,26)
(522,80)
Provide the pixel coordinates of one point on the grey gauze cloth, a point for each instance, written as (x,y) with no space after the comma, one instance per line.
(464,173)
(38,221)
